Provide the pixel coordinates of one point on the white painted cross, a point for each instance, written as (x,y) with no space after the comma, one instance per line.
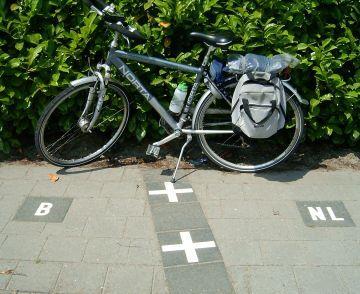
(188,246)
(171,192)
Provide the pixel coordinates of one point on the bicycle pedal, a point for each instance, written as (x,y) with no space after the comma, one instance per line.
(153,150)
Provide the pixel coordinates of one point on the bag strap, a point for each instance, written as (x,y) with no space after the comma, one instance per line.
(246,107)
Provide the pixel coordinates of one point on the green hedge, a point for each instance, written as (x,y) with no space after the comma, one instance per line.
(46,44)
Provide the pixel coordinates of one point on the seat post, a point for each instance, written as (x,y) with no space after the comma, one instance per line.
(207,56)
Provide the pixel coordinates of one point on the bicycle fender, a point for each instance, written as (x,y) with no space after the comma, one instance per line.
(84,80)
(297,95)
(203,97)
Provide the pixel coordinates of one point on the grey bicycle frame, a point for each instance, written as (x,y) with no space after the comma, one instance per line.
(114,58)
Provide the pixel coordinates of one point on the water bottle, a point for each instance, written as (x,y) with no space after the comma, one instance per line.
(178,99)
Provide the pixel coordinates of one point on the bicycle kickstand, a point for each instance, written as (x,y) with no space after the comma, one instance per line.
(188,140)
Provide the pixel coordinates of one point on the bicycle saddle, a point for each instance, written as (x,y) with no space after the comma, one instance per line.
(217,39)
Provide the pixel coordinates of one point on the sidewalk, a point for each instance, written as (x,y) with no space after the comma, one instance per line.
(105,233)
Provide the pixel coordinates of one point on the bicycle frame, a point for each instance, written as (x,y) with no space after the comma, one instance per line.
(114,58)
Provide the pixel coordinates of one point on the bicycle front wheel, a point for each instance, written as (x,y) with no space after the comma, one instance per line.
(238,152)
(59,138)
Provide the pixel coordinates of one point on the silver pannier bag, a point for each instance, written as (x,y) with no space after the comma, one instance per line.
(258,105)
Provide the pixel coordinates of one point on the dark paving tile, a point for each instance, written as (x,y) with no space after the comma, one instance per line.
(178,216)
(164,192)
(198,278)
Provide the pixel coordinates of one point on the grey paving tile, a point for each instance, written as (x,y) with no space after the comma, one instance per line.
(107,250)
(34,277)
(5,266)
(350,275)
(48,189)
(12,171)
(332,253)
(159,285)
(82,189)
(230,229)
(21,247)
(198,278)
(69,174)
(106,174)
(81,278)
(126,207)
(268,229)
(216,191)
(88,207)
(353,249)
(263,279)
(179,257)
(58,248)
(240,252)
(178,216)
(40,172)
(319,280)
(212,208)
(105,226)
(131,173)
(144,252)
(23,228)
(240,209)
(129,279)
(139,227)
(73,225)
(17,188)
(2,238)
(8,207)
(285,252)
(122,190)
(55,209)
(182,190)
(277,209)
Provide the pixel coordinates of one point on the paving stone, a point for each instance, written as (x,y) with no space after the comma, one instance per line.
(240,252)
(23,228)
(331,253)
(277,209)
(105,226)
(12,171)
(160,186)
(318,280)
(21,247)
(228,191)
(240,209)
(142,252)
(58,210)
(139,227)
(84,189)
(65,174)
(58,248)
(17,188)
(88,207)
(263,279)
(178,216)
(2,238)
(352,248)
(350,275)
(131,173)
(198,278)
(279,191)
(34,277)
(122,190)
(41,172)
(81,278)
(73,225)
(106,250)
(4,266)
(230,229)
(173,258)
(48,189)
(268,229)
(129,279)
(106,174)
(285,252)
(126,207)
(159,285)
(212,208)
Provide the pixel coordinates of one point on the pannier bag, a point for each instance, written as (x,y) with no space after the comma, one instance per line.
(258,105)
(258,63)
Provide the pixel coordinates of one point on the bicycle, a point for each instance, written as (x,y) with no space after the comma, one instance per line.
(84,133)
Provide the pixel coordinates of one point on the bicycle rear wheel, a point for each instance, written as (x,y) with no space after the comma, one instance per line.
(237,151)
(59,138)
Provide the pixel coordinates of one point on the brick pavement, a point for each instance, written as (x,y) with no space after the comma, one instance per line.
(107,241)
